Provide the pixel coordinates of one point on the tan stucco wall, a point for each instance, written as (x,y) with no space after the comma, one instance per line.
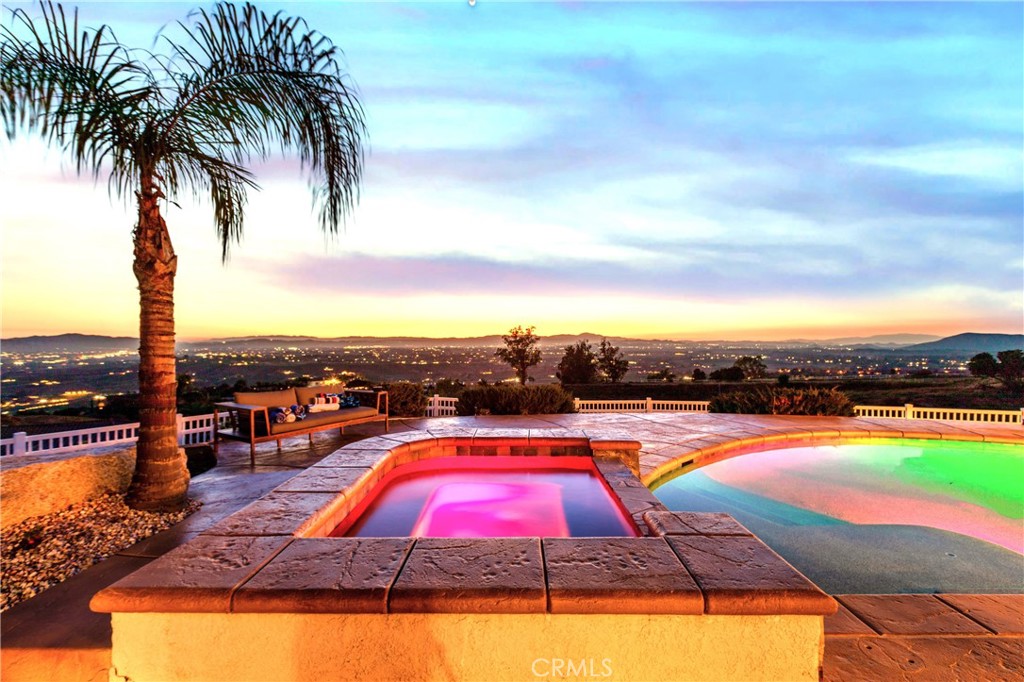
(32,485)
(228,647)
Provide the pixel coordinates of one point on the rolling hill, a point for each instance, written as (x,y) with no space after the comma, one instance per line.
(972,343)
(68,343)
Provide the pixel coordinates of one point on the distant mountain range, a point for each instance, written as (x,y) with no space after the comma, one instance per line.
(83,343)
(879,340)
(68,343)
(973,343)
(397,341)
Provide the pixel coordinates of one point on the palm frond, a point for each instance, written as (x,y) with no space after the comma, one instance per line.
(242,85)
(252,84)
(79,88)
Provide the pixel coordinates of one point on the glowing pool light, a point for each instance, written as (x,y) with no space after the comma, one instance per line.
(493,510)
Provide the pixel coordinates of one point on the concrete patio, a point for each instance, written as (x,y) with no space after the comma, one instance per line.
(55,636)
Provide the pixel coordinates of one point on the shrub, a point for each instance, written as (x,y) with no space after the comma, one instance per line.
(505,399)
(727,374)
(758,401)
(810,401)
(406,399)
(449,388)
(751,366)
(983,365)
(1009,367)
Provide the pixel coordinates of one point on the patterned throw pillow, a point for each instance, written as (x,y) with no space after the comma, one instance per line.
(350,401)
(280,415)
(324,402)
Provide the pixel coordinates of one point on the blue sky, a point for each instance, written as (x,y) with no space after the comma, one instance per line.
(674,170)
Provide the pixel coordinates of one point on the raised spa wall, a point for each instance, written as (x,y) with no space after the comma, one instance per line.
(265,595)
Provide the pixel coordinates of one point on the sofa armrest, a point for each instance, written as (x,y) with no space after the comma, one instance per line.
(252,411)
(240,406)
(381,397)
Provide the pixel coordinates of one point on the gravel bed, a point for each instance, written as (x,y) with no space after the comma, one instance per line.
(45,550)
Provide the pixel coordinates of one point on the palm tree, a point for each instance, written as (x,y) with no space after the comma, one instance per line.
(239,87)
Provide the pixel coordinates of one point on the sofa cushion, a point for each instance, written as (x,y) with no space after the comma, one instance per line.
(305,394)
(318,419)
(268,398)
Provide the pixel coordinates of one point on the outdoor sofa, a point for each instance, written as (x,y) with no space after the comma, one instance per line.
(251,419)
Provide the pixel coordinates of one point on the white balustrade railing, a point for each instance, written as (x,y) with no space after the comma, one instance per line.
(886,411)
(440,406)
(645,405)
(191,431)
(199,429)
(69,441)
(909,411)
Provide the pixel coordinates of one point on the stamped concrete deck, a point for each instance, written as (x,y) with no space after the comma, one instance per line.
(55,636)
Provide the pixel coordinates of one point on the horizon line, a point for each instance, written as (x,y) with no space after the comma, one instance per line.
(653,338)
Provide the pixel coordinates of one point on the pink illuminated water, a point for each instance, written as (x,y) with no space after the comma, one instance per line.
(467,510)
(463,497)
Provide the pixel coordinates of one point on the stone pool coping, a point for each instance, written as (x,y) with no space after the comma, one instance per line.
(271,556)
(78,645)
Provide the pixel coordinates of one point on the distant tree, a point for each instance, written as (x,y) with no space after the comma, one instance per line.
(125,406)
(752,367)
(185,382)
(783,380)
(983,365)
(727,374)
(666,375)
(698,374)
(611,363)
(578,365)
(520,351)
(1011,368)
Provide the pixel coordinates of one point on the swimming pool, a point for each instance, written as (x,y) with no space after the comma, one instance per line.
(876,516)
(491,497)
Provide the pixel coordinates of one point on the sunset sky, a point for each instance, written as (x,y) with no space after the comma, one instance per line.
(738,170)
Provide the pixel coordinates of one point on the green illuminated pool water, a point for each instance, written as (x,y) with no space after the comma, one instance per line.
(879,515)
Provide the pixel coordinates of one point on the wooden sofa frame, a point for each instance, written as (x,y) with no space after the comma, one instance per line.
(256,411)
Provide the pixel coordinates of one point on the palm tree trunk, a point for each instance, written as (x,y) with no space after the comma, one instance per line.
(161,477)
